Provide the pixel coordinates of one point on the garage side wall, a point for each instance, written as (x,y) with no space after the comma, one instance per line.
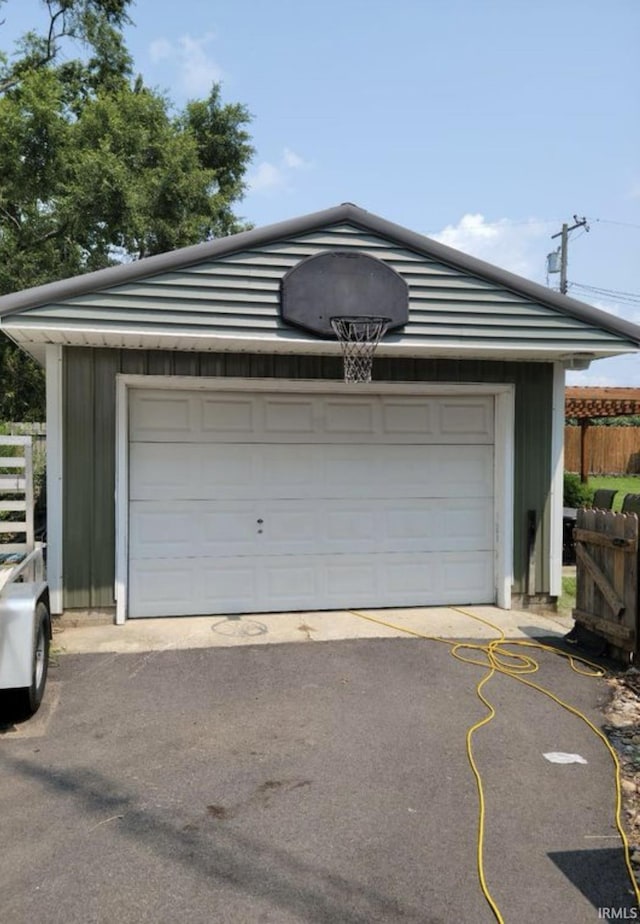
(90,436)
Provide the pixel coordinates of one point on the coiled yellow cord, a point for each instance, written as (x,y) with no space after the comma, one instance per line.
(498,659)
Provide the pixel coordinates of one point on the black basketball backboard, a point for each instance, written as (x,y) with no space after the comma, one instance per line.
(339,283)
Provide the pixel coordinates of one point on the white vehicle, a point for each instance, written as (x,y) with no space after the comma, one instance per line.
(25,622)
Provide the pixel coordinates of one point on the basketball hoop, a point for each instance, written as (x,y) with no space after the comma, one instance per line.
(359,337)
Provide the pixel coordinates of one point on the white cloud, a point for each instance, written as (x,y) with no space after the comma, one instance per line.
(293,160)
(160,49)
(265,177)
(268,177)
(199,70)
(196,67)
(514,246)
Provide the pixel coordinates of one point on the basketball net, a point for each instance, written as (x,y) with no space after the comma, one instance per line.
(359,337)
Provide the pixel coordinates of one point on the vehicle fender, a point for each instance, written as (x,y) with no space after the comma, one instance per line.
(17,631)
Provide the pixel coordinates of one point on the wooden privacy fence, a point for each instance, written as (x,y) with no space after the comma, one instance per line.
(607,575)
(610,450)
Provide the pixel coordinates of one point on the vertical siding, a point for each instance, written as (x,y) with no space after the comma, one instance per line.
(89,443)
(78,479)
(104,474)
(533,452)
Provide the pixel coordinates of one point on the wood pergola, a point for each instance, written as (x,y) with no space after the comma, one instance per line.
(588,404)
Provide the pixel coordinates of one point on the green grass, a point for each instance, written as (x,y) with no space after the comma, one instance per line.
(623,484)
(568,599)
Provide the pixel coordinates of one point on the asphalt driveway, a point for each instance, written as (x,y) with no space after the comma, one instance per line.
(323,782)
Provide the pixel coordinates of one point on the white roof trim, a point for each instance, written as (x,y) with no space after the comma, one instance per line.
(34,337)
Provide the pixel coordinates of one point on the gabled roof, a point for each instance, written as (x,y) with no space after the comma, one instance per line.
(114,293)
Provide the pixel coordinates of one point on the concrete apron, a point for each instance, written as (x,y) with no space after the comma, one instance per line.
(276,628)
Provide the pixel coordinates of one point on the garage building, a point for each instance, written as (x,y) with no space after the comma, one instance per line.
(206,456)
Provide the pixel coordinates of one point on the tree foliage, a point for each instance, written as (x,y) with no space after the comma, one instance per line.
(96,167)
(576,494)
(631,420)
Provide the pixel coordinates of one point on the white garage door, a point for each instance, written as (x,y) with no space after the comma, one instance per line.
(256,503)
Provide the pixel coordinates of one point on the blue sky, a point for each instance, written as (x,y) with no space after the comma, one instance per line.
(483,123)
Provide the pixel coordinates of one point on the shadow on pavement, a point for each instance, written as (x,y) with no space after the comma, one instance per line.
(223,856)
(598,873)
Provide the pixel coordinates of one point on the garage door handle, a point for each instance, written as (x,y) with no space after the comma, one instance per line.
(260,521)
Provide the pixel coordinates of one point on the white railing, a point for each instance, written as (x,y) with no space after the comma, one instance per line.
(17,541)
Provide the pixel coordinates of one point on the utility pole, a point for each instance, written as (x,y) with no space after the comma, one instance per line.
(564,247)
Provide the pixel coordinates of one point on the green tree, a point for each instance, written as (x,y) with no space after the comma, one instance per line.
(96,167)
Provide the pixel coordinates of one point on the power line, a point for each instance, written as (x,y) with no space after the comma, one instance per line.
(609,221)
(584,285)
(632,298)
(607,296)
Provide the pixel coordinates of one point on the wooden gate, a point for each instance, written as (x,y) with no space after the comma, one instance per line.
(607,575)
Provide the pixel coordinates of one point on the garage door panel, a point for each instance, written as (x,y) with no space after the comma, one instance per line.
(285,471)
(430,524)
(409,471)
(232,589)
(201,417)
(155,530)
(323,582)
(403,471)
(189,471)
(466,524)
(191,529)
(243,503)
(235,582)
(465,471)
(288,415)
(288,528)
(160,586)
(348,416)
(352,523)
(198,529)
(293,583)
(467,418)
(407,418)
(351,577)
(160,469)
(206,471)
(232,417)
(472,572)
(465,577)
(162,416)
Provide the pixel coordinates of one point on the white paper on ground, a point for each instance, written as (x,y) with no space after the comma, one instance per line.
(561,757)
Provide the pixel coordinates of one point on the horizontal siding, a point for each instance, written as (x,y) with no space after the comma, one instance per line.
(89,442)
(185,311)
(241,292)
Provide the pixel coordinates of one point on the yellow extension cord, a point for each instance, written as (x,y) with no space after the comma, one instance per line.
(497,659)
